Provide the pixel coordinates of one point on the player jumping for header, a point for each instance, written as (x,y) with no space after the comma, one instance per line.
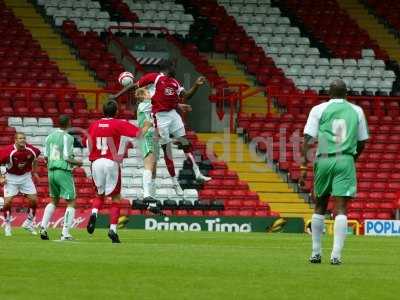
(165,102)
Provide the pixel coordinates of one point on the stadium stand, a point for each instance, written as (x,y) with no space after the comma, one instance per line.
(388,10)
(292,53)
(247,203)
(88,15)
(260,36)
(298,104)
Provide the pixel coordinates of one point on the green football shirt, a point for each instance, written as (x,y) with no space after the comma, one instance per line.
(338,125)
(144,112)
(59,146)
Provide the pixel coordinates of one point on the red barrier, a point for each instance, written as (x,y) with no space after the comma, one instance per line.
(233,98)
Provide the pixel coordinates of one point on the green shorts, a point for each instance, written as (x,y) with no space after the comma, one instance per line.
(149,145)
(335,176)
(61,185)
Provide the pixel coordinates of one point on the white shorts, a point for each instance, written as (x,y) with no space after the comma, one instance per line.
(169,123)
(16,184)
(106,175)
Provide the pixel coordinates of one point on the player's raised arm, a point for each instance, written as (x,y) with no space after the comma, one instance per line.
(189,94)
(143,81)
(132,85)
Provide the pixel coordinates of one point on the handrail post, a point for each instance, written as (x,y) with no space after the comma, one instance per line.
(97,101)
(231,112)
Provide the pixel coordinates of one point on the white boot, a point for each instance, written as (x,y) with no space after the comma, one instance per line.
(200,177)
(177,187)
(7,228)
(28,226)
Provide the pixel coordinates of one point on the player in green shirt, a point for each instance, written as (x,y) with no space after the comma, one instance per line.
(341,130)
(150,148)
(59,146)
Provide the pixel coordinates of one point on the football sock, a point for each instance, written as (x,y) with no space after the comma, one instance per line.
(339,235)
(317,228)
(196,169)
(175,181)
(32,211)
(7,213)
(48,213)
(153,188)
(114,216)
(68,220)
(113,227)
(147,183)
(97,204)
(168,161)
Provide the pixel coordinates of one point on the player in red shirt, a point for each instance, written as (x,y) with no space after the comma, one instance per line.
(165,102)
(20,160)
(104,139)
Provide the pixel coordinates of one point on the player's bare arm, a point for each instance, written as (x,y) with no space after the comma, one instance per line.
(304,159)
(184,107)
(34,169)
(189,94)
(74,162)
(133,86)
(146,126)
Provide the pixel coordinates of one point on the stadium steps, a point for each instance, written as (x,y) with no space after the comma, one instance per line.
(376,30)
(261,179)
(52,43)
(234,75)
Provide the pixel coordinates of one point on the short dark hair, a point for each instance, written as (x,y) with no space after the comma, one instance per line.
(168,67)
(110,108)
(338,89)
(63,121)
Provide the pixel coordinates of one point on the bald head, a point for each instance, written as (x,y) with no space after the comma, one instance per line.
(338,89)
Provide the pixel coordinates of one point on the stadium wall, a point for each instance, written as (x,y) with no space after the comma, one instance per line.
(210,224)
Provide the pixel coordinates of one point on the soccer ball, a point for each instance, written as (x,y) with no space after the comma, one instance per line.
(125,78)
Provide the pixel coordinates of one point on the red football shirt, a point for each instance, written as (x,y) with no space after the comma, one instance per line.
(167,91)
(19,162)
(105,137)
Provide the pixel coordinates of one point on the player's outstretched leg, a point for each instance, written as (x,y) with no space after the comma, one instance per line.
(149,167)
(171,168)
(317,228)
(48,213)
(114,216)
(187,149)
(96,206)
(68,221)
(7,217)
(28,223)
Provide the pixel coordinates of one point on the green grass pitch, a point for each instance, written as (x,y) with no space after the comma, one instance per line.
(183,265)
